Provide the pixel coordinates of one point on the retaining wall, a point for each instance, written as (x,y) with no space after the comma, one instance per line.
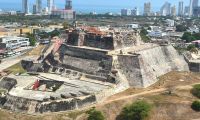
(143,69)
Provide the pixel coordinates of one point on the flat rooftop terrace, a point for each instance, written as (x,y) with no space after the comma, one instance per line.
(68,88)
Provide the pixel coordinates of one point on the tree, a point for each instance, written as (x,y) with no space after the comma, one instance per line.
(197,36)
(188,37)
(32,39)
(196,90)
(192,48)
(143,35)
(54,33)
(95,115)
(136,111)
(181,28)
(65,25)
(196,106)
(143,31)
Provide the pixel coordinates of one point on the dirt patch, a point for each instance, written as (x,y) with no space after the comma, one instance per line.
(36,51)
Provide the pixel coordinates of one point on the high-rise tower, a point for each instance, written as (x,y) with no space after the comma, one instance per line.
(166,9)
(50,5)
(39,6)
(147,9)
(25,6)
(68,5)
(195,3)
(173,10)
(180,8)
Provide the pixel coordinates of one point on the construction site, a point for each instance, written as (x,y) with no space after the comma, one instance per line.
(85,68)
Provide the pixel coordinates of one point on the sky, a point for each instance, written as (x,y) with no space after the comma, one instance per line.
(94,5)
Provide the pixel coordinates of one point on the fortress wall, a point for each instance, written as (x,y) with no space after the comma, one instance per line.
(144,69)
(194,66)
(64,105)
(130,67)
(20,104)
(32,106)
(85,53)
(87,61)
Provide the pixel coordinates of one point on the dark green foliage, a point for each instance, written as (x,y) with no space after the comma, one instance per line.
(136,111)
(196,105)
(43,35)
(95,115)
(196,90)
(181,28)
(143,35)
(197,36)
(191,47)
(143,31)
(54,33)
(188,37)
(149,28)
(32,39)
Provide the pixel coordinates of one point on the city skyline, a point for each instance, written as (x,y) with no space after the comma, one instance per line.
(90,5)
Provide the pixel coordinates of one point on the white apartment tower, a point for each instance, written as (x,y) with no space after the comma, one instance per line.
(173,10)
(39,6)
(25,6)
(166,9)
(50,5)
(147,9)
(180,8)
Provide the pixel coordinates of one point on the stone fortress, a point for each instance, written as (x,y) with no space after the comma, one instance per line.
(87,67)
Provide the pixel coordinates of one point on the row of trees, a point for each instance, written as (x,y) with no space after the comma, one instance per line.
(196,92)
(189,37)
(136,111)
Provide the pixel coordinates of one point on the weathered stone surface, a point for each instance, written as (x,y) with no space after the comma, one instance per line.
(143,69)
(194,64)
(7,83)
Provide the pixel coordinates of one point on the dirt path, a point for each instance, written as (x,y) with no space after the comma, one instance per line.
(145,93)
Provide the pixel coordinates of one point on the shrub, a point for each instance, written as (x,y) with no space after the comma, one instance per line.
(196,90)
(95,115)
(196,105)
(136,111)
(191,47)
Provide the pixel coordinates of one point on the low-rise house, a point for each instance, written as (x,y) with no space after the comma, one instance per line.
(156,34)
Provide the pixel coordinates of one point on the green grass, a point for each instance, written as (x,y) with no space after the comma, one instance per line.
(17,68)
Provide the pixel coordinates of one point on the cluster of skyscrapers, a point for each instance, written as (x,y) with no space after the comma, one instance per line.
(37,7)
(168,9)
(50,9)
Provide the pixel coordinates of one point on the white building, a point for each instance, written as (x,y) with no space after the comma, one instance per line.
(194,29)
(132,26)
(125,12)
(156,34)
(135,12)
(166,9)
(147,9)
(180,8)
(64,14)
(11,43)
(50,5)
(170,23)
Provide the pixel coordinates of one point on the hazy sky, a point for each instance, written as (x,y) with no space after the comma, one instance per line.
(107,4)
